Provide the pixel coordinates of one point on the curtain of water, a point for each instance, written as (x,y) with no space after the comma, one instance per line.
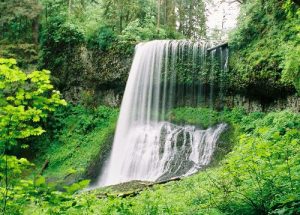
(146,146)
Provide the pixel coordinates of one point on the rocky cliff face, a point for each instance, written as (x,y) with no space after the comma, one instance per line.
(93,77)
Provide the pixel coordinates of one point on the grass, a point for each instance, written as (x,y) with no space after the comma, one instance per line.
(201,117)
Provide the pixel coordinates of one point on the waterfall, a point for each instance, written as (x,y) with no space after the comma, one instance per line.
(146,146)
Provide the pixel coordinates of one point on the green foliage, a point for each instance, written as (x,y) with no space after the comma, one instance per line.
(265,48)
(291,66)
(59,35)
(15,167)
(67,34)
(77,186)
(26,54)
(79,138)
(103,39)
(207,117)
(18,19)
(20,31)
(66,162)
(21,193)
(25,99)
(262,172)
(60,52)
(203,117)
(234,116)
(13,191)
(191,17)
(137,31)
(260,176)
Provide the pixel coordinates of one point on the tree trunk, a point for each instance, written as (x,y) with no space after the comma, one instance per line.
(190,27)
(70,6)
(158,15)
(121,23)
(180,29)
(35,30)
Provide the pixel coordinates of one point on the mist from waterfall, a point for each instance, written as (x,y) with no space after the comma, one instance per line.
(146,145)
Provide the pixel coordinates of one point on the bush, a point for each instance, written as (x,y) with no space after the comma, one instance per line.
(103,38)
(264,47)
(203,117)
(60,42)
(80,137)
(259,176)
(25,100)
(261,172)
(137,31)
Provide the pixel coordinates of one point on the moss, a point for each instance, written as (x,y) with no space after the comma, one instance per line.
(81,139)
(201,117)
(96,164)
(225,145)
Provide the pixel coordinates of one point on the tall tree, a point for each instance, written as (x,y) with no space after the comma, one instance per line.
(191,18)
(19,19)
(118,13)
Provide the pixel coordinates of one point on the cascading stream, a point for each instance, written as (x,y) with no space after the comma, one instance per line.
(146,146)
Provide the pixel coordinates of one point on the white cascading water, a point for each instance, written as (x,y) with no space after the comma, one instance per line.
(147,147)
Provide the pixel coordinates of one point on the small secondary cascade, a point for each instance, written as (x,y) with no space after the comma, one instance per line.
(146,146)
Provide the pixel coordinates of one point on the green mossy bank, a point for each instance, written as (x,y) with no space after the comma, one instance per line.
(78,142)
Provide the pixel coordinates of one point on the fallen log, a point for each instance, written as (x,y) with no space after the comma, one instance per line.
(223,45)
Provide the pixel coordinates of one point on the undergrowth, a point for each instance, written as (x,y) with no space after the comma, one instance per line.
(78,138)
(259,176)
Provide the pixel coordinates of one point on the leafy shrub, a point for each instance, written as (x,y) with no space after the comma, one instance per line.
(62,34)
(259,176)
(103,38)
(80,136)
(261,171)
(264,48)
(137,31)
(19,193)
(25,99)
(59,47)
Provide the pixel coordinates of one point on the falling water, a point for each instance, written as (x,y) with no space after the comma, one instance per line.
(146,146)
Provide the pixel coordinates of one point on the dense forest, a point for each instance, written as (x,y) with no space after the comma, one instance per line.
(64,65)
